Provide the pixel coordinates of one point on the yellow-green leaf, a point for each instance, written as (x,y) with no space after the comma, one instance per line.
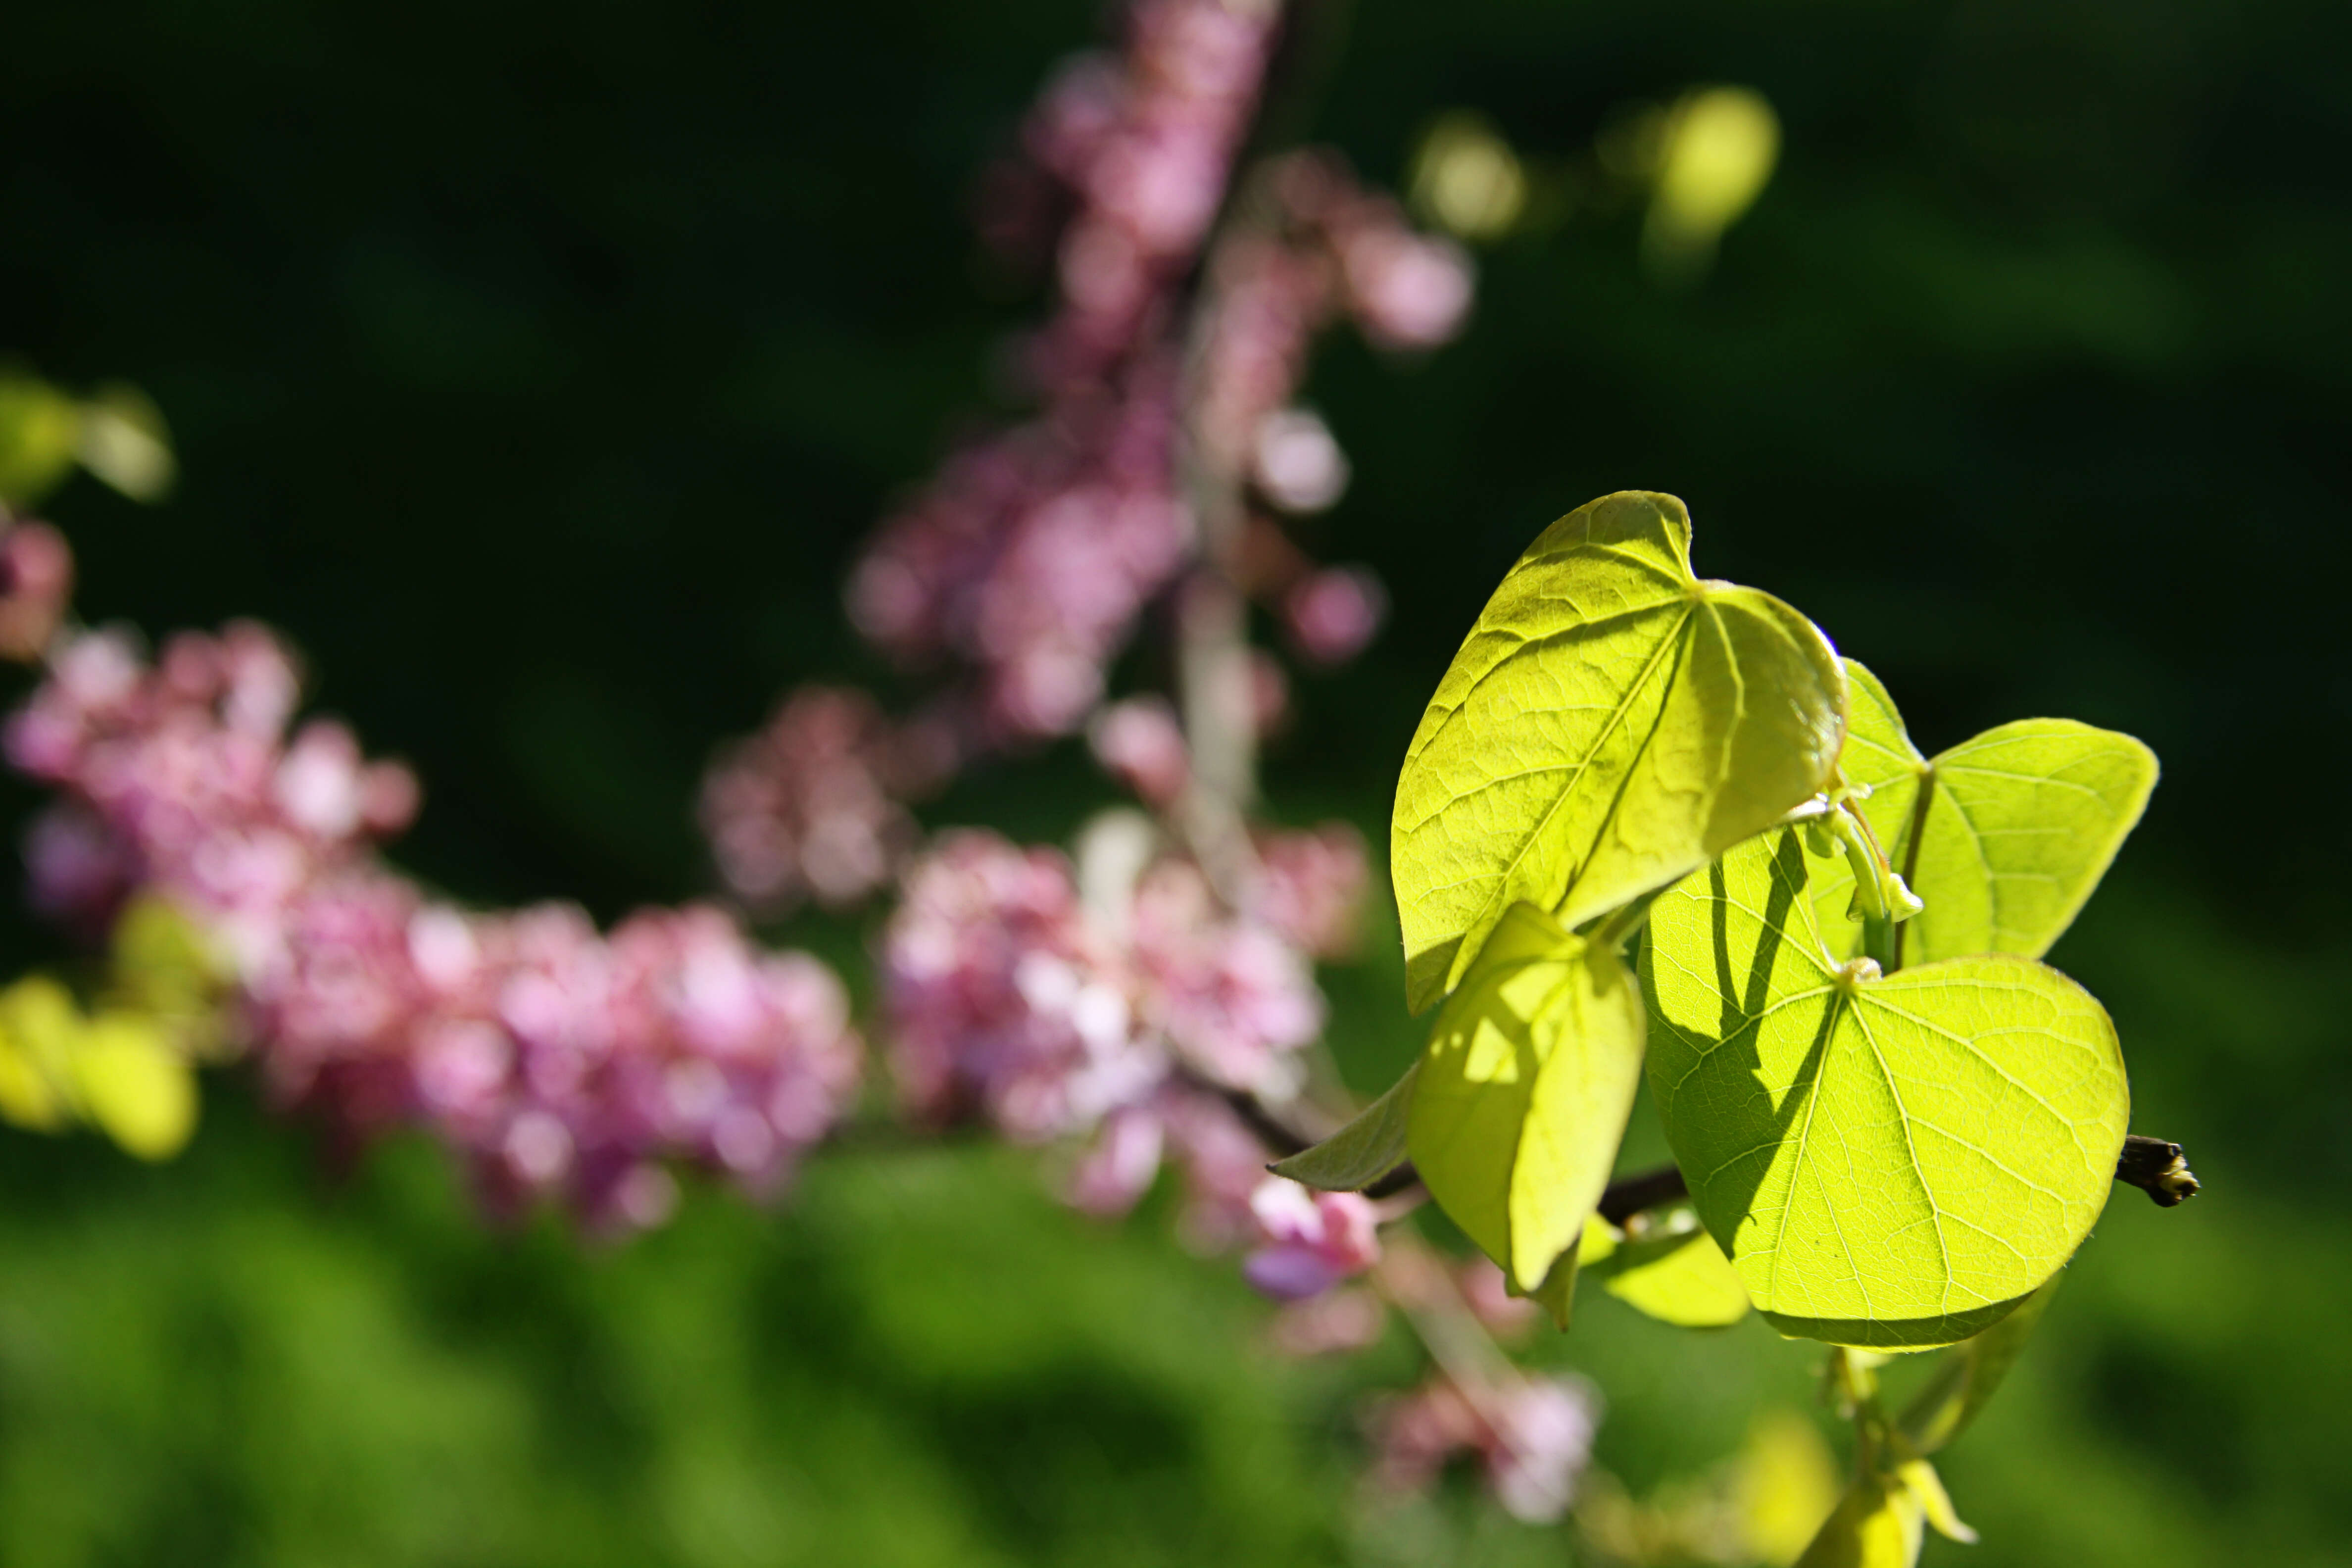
(139,1091)
(1523,1091)
(1610,723)
(1892,1161)
(1874,1526)
(39,1027)
(1362,1152)
(1917,1477)
(1785,1485)
(39,428)
(2014,831)
(163,965)
(1679,1276)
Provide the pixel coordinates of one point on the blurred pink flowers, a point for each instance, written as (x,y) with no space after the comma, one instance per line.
(1532,1436)
(561,1062)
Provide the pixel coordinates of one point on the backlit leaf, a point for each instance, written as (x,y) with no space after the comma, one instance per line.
(1892,1161)
(2019,826)
(1362,1152)
(1604,730)
(1917,1477)
(1681,1277)
(1523,1091)
(1874,1526)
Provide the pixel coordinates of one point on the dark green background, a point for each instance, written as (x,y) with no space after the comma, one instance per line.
(537,368)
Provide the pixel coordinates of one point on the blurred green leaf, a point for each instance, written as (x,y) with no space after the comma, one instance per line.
(1874,1526)
(134,1083)
(1592,740)
(1890,1162)
(123,441)
(39,430)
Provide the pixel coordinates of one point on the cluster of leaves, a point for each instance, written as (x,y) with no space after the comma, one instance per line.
(1892,1123)
(126,1062)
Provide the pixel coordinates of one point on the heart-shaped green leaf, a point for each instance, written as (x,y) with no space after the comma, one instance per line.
(1890,1162)
(1523,1091)
(2011,835)
(1362,1152)
(1610,723)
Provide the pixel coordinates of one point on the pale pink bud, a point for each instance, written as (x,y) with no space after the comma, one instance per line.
(1139,743)
(1297,463)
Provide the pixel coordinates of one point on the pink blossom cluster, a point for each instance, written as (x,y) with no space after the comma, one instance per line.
(563,1063)
(1028,559)
(1059,1002)
(1532,1436)
(812,807)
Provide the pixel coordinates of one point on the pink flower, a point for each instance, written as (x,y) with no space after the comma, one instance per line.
(810,806)
(1139,743)
(1309,1241)
(1533,1437)
(1333,614)
(1297,463)
(37,571)
(1310,887)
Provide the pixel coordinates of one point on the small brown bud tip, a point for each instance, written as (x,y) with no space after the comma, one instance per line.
(2158,1168)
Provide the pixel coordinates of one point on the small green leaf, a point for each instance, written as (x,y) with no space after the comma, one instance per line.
(1890,1162)
(139,1091)
(1523,1091)
(1681,1277)
(1967,1373)
(1600,734)
(1917,1477)
(1362,1152)
(2020,825)
(1874,1526)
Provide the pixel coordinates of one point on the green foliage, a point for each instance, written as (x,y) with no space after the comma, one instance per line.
(1592,739)
(2013,830)
(1880,1155)
(1529,1078)
(1890,1160)
(1362,1152)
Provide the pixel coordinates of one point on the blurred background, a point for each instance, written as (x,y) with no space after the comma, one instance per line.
(538,368)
